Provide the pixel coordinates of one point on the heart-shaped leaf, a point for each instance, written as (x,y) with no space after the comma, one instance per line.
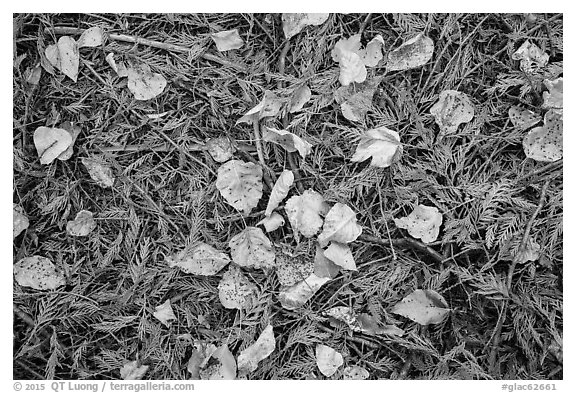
(251,248)
(411,54)
(554,97)
(382,144)
(272,222)
(240,183)
(288,141)
(298,294)
(131,371)
(328,360)
(250,357)
(227,40)
(304,213)
(220,148)
(279,191)
(300,97)
(145,84)
(339,226)
(164,313)
(423,306)
(531,57)
(355,373)
(545,143)
(65,56)
(341,255)
(51,143)
(356,99)
(291,271)
(91,37)
(39,273)
(202,259)
(423,223)
(19,221)
(523,118)
(452,109)
(293,24)
(82,225)
(235,290)
(99,171)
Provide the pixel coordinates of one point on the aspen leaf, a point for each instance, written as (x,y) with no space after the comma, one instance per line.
(529,253)
(251,248)
(240,184)
(145,84)
(291,271)
(99,172)
(279,191)
(339,226)
(235,290)
(355,373)
(324,267)
(372,54)
(74,131)
(523,118)
(328,360)
(272,222)
(220,148)
(344,314)
(39,273)
(224,367)
(269,106)
(164,313)
(200,356)
(423,223)
(382,144)
(131,371)
(545,143)
(411,54)
(344,45)
(202,259)
(369,56)
(422,306)
(82,225)
(452,109)
(293,24)
(288,141)
(300,97)
(65,56)
(352,69)
(119,68)
(250,357)
(341,255)
(304,213)
(91,37)
(51,143)
(19,221)
(356,99)
(530,56)
(554,97)
(227,40)
(298,294)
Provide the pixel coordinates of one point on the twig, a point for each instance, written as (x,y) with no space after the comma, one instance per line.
(357,340)
(404,243)
(364,24)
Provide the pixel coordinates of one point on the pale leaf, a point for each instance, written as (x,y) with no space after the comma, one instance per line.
(341,255)
(202,259)
(423,223)
(523,118)
(339,226)
(99,172)
(344,314)
(411,54)
(251,248)
(293,24)
(51,143)
(272,222)
(300,97)
(531,252)
(19,221)
(291,271)
(531,57)
(227,40)
(545,143)
(554,97)
(131,371)
(423,306)
(240,183)
(304,213)
(269,106)
(324,267)
(287,140)
(34,75)
(164,313)
(119,68)
(65,56)
(235,290)
(352,69)
(82,225)
(328,360)
(200,356)
(279,191)
(220,148)
(355,373)
(91,38)
(372,55)
(145,84)
(356,99)
(344,45)
(224,367)
(382,144)
(39,273)
(452,109)
(298,294)
(250,357)
(74,131)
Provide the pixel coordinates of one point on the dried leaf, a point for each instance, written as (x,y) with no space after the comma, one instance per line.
(39,273)
(269,106)
(91,37)
(328,360)
(99,172)
(65,56)
(382,144)
(356,99)
(298,294)
(131,371)
(293,24)
(304,213)
(411,54)
(291,271)
(199,358)
(372,55)
(227,40)
(355,373)
(251,248)
(220,148)
(545,143)
(240,183)
(452,109)
(287,140)
(224,367)
(339,226)
(423,223)
(250,357)
(554,97)
(82,225)
(19,221)
(369,325)
(235,290)
(119,68)
(529,253)
(324,267)
(145,84)
(202,259)
(74,131)
(344,314)
(164,313)
(523,118)
(272,222)
(51,143)
(300,97)
(34,75)
(279,191)
(423,306)
(346,45)
(341,255)
(531,57)
(352,69)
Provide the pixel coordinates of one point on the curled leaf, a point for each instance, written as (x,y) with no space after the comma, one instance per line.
(372,54)
(452,109)
(131,371)
(203,259)
(145,84)
(530,56)
(251,248)
(119,68)
(99,172)
(240,183)
(39,273)
(19,221)
(340,226)
(91,37)
(82,225)
(293,24)
(545,143)
(74,131)
(554,97)
(250,357)
(300,97)
(220,148)
(423,306)
(423,223)
(355,373)
(328,360)
(304,212)
(269,106)
(279,191)
(51,143)
(523,118)
(227,40)
(382,144)
(411,54)
(65,56)
(356,99)
(341,255)
(288,141)
(298,294)
(164,313)
(272,222)
(344,45)
(235,290)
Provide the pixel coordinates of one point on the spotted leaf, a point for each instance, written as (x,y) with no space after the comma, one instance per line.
(411,54)
(546,143)
(452,109)
(240,184)
(202,259)
(423,306)
(235,290)
(251,248)
(39,273)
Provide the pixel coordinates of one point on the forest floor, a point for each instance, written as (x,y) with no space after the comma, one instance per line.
(505,319)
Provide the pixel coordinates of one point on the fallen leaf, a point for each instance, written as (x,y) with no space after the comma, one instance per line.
(202,259)
(423,223)
(65,56)
(341,255)
(251,248)
(199,358)
(288,141)
(356,99)
(220,148)
(272,222)
(328,360)
(369,325)
(324,267)
(345,45)
(293,24)
(304,213)
(339,226)
(530,56)
(131,371)
(165,314)
(227,40)
(91,37)
(298,294)
(39,273)
(545,143)
(300,97)
(411,54)
(529,253)
(554,97)
(523,118)
(423,306)
(355,373)
(224,367)
(344,314)
(34,75)
(269,106)
(250,357)
(99,172)
(291,271)
(82,225)
(382,144)
(279,191)
(51,143)
(74,131)
(145,84)
(372,55)
(352,69)
(19,221)
(119,68)
(240,183)
(235,290)
(452,109)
